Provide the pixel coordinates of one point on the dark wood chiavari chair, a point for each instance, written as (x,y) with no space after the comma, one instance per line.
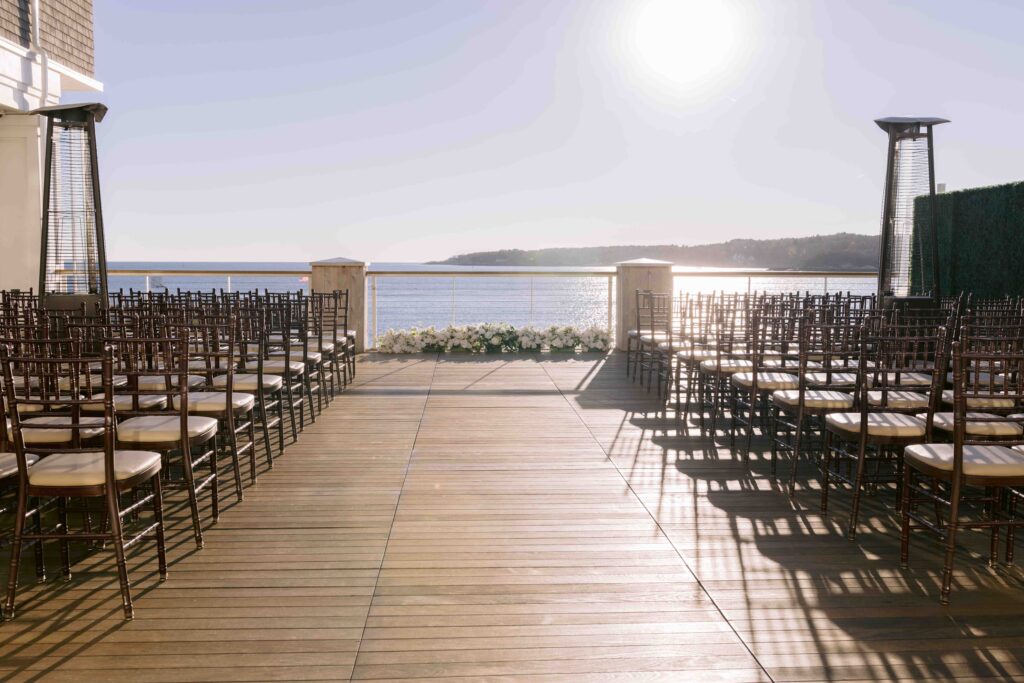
(160,364)
(975,479)
(75,468)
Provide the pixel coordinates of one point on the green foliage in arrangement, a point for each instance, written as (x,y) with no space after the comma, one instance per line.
(980,239)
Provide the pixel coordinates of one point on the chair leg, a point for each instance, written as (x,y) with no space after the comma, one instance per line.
(797,445)
(951,529)
(158,513)
(122,567)
(65,551)
(215,482)
(37,546)
(235,460)
(16,545)
(193,501)
(858,488)
(262,406)
(291,408)
(251,431)
(908,476)
(826,464)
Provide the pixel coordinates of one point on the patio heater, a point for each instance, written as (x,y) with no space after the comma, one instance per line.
(73,261)
(908,264)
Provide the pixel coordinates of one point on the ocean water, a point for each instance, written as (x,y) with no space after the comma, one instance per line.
(481,294)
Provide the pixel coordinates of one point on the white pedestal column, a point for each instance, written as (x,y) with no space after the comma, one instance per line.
(341,274)
(630,276)
(20,201)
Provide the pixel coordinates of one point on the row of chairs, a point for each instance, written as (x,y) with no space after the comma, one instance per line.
(928,402)
(123,401)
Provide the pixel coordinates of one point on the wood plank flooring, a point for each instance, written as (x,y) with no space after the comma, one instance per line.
(530,517)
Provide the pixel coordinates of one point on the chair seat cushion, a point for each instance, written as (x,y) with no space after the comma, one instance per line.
(124,402)
(728,365)
(250,381)
(979,461)
(276,367)
(653,337)
(879,424)
(898,399)
(9,463)
(158,383)
(813,398)
(45,436)
(908,379)
(216,401)
(163,428)
(766,381)
(697,354)
(839,379)
(981,400)
(944,421)
(791,364)
(629,333)
(312,356)
(87,469)
(324,346)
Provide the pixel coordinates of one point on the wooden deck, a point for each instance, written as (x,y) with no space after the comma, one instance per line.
(520,518)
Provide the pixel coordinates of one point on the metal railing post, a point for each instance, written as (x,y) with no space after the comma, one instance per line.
(147,284)
(453,300)
(826,284)
(611,303)
(229,284)
(373,307)
(529,320)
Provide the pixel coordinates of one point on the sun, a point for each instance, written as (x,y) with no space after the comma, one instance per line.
(682,44)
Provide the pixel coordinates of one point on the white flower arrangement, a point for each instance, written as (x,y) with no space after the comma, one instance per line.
(493,337)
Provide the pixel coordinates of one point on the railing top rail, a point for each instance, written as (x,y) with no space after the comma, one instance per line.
(175,271)
(497,272)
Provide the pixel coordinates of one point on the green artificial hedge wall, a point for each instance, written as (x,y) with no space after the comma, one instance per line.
(980,238)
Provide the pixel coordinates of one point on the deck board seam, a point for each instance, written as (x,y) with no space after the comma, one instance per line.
(657,523)
(394,513)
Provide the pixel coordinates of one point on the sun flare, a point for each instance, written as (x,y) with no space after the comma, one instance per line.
(682,44)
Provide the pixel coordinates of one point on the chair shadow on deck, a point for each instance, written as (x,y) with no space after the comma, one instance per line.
(807,602)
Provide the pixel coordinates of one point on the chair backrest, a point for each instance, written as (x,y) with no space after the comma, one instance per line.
(36,366)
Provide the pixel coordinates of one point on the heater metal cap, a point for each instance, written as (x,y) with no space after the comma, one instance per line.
(74,112)
(890,122)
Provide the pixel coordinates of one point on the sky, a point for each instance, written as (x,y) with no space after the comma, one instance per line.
(413,130)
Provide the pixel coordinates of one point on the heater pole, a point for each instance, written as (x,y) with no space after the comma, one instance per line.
(936,286)
(883,247)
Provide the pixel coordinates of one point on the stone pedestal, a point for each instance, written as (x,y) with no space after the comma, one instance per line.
(341,274)
(630,276)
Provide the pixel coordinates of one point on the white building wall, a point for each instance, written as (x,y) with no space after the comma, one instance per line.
(21,156)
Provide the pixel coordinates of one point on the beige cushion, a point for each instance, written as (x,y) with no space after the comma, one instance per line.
(898,399)
(981,379)
(313,356)
(124,402)
(693,354)
(981,400)
(980,461)
(87,469)
(325,346)
(792,364)
(250,381)
(729,365)
(45,436)
(653,337)
(879,424)
(944,421)
(9,463)
(158,383)
(908,379)
(629,333)
(813,398)
(843,379)
(216,401)
(768,381)
(160,428)
(39,407)
(276,367)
